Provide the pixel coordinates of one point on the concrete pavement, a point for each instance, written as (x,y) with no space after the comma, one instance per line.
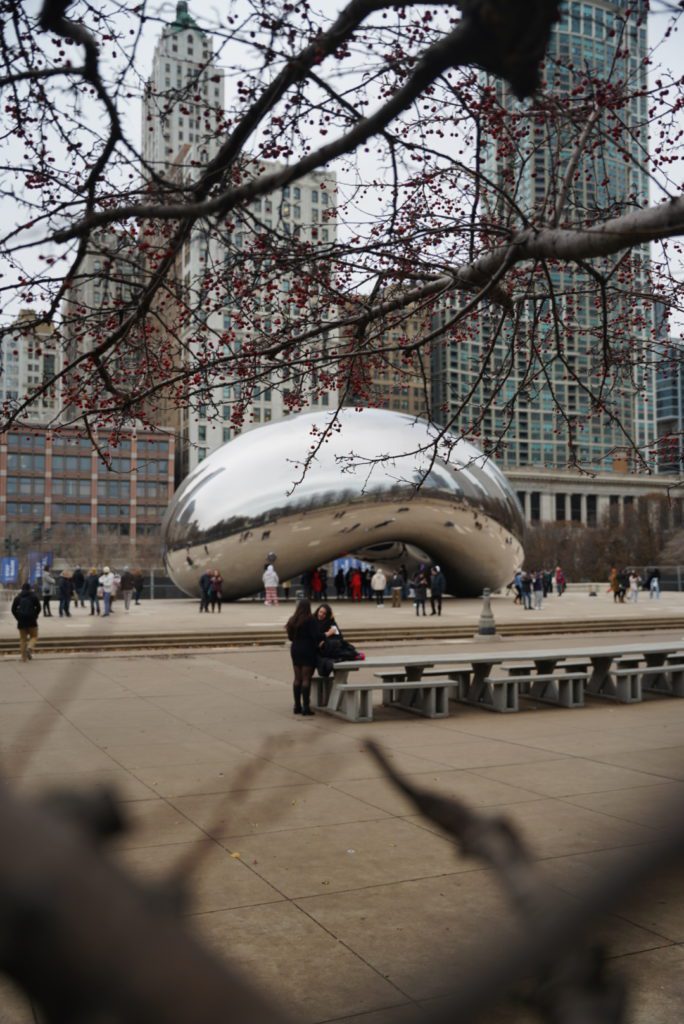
(321,882)
(181,615)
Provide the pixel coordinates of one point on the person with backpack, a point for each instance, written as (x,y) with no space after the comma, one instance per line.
(26,609)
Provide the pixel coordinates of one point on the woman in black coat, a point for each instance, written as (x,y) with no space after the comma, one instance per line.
(303,631)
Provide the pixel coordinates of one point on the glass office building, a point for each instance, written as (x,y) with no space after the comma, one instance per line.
(566,378)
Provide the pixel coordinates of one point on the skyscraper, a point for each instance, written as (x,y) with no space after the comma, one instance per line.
(183,101)
(568,378)
(236,285)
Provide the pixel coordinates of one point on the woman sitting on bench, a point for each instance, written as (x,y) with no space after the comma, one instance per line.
(333,646)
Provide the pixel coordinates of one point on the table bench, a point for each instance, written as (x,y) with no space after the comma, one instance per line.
(354,701)
(563,688)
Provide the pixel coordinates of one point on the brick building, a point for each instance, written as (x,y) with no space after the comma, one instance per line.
(56,493)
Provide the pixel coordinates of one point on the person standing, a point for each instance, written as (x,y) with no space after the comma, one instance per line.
(560,581)
(420,587)
(78,581)
(65,590)
(26,609)
(538,588)
(48,589)
(127,587)
(205,591)
(614,584)
(437,588)
(340,584)
(216,587)
(303,633)
(287,587)
(526,590)
(138,583)
(106,581)
(270,580)
(356,584)
(654,585)
(634,581)
(378,583)
(92,585)
(397,589)
(323,573)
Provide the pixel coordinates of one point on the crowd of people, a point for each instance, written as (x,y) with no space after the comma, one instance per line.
(96,589)
(626,583)
(531,587)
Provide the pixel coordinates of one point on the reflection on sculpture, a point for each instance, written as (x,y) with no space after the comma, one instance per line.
(238,509)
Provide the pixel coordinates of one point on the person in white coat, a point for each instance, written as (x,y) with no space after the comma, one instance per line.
(106,581)
(270,580)
(378,583)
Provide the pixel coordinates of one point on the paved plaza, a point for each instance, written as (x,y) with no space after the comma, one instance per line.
(182,615)
(321,882)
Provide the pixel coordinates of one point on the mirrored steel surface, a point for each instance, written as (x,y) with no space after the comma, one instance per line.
(238,509)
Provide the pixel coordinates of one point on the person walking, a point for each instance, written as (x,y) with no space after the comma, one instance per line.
(303,633)
(216,590)
(560,581)
(48,589)
(92,585)
(205,591)
(634,581)
(127,587)
(270,579)
(420,588)
(378,584)
(26,609)
(437,587)
(396,589)
(78,581)
(106,581)
(65,590)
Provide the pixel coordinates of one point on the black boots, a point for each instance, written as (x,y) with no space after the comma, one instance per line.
(297,692)
(306,701)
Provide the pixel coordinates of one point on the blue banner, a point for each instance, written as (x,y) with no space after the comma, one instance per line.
(38,560)
(9,570)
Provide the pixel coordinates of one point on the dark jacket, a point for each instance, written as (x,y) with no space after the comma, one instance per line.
(305,646)
(25,619)
(78,579)
(65,587)
(92,583)
(127,581)
(437,583)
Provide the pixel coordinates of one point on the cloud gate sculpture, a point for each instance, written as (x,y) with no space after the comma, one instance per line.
(238,509)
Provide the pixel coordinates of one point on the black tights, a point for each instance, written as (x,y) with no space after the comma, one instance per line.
(303,674)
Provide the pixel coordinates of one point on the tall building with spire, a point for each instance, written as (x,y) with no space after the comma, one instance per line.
(525,386)
(251,262)
(183,101)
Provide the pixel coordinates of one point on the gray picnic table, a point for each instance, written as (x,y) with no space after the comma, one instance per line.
(559,675)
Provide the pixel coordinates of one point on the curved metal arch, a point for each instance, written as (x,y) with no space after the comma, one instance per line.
(238,510)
